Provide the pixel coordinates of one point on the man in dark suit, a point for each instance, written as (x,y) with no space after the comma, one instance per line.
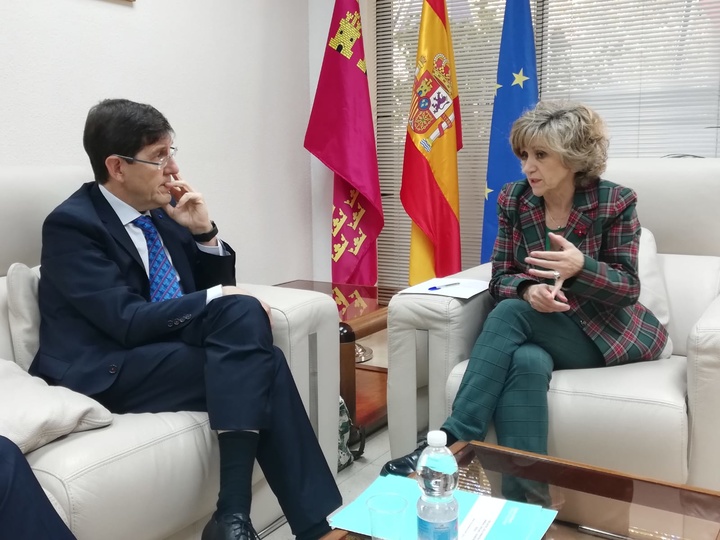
(148,322)
(25,511)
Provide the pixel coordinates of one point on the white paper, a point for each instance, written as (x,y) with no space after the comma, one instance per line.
(496,519)
(455,287)
(481,518)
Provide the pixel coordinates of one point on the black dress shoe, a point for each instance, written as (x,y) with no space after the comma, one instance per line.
(230,527)
(404,466)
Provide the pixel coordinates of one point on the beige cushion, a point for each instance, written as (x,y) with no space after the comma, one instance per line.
(42,413)
(23,312)
(653,293)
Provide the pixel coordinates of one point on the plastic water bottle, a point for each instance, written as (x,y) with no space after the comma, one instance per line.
(437,475)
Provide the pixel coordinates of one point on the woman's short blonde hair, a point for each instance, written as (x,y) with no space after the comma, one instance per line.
(572,130)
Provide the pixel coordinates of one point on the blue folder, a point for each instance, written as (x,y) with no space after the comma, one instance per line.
(516,521)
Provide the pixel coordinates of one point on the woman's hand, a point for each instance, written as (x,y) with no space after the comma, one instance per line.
(564,262)
(545,299)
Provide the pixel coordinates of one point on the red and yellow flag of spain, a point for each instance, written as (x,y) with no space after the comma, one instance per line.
(429,191)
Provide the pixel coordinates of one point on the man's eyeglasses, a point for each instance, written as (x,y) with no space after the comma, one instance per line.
(159,164)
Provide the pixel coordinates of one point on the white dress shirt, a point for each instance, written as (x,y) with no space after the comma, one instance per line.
(127,214)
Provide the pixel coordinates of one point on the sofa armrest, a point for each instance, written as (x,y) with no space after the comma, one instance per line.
(305,328)
(703,383)
(423,327)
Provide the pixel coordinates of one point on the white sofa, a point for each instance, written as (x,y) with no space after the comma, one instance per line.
(155,476)
(656,419)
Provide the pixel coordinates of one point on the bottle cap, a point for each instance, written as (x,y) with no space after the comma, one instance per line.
(437,438)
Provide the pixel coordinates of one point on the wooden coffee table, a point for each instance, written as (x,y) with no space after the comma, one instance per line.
(587,498)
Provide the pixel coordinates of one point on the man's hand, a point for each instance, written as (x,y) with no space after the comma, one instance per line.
(231,289)
(190,209)
(545,299)
(563,263)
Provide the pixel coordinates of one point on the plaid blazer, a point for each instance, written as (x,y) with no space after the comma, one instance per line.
(603,297)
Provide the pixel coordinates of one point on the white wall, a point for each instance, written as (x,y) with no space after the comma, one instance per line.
(232,76)
(320,13)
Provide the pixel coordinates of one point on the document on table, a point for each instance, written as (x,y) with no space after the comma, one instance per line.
(496,519)
(480,518)
(455,287)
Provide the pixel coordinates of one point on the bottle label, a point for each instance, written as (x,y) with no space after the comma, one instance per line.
(429,530)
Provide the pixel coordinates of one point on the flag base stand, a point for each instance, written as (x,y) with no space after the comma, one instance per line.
(362,353)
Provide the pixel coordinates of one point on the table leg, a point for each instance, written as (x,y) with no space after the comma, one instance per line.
(347,370)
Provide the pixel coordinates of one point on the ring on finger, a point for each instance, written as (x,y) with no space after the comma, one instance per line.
(556,275)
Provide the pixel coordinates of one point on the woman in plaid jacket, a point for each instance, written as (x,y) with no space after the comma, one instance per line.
(566,279)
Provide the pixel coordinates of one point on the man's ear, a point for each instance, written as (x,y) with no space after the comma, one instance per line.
(115,166)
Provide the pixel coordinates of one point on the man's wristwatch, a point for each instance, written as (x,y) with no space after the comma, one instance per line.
(206,237)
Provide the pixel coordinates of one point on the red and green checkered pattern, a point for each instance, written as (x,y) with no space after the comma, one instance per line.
(603,224)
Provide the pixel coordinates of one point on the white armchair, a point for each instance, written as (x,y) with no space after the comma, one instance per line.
(152,476)
(657,419)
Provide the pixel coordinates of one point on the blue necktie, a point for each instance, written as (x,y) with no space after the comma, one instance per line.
(163,277)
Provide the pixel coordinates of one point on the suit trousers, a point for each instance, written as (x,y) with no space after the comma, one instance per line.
(224,362)
(25,511)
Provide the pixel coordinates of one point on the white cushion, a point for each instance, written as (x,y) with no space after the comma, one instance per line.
(42,413)
(641,407)
(653,293)
(23,312)
(144,477)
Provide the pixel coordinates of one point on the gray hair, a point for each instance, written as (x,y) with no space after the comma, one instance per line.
(572,130)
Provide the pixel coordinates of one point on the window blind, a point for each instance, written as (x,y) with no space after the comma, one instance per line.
(651,68)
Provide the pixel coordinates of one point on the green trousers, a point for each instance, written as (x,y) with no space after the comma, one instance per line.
(508,376)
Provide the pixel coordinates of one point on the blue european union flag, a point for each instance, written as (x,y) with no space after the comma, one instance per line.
(516,91)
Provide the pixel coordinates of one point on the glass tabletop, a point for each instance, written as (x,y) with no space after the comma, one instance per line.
(591,501)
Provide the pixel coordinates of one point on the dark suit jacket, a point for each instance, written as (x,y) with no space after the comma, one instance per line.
(94,292)
(603,224)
